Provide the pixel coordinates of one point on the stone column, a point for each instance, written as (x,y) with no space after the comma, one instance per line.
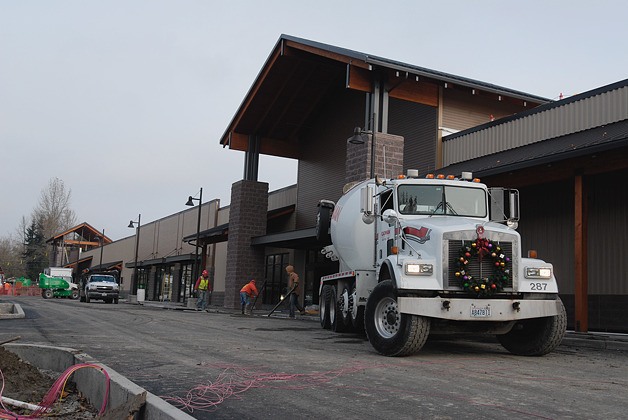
(247,218)
(176,279)
(151,284)
(388,158)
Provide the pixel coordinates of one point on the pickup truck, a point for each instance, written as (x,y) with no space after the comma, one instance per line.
(100,287)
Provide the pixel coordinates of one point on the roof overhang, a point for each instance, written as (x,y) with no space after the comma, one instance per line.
(81,261)
(210,236)
(583,143)
(298,74)
(294,239)
(160,261)
(115,265)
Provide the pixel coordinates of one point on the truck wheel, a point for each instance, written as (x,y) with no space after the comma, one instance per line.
(335,318)
(87,298)
(357,313)
(536,337)
(344,309)
(390,332)
(323,312)
(82,298)
(74,295)
(47,294)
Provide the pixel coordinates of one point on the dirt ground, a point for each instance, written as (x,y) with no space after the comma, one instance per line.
(24,382)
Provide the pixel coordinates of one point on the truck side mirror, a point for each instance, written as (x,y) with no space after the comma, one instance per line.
(504,206)
(367,200)
(390,217)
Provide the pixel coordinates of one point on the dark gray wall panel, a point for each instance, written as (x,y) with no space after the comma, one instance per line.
(608,230)
(418,124)
(321,172)
(547,225)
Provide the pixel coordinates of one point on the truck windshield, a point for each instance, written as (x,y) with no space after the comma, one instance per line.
(102,278)
(441,199)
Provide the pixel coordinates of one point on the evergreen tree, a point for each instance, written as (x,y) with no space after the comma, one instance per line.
(35,256)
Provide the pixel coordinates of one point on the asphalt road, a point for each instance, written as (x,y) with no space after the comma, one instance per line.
(260,367)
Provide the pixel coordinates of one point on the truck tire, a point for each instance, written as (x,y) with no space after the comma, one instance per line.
(323,221)
(390,332)
(335,318)
(323,311)
(344,309)
(75,294)
(82,298)
(115,300)
(87,298)
(47,293)
(536,337)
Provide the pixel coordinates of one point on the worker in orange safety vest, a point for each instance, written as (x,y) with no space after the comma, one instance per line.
(248,292)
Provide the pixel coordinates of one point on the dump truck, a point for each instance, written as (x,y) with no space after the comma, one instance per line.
(57,282)
(434,255)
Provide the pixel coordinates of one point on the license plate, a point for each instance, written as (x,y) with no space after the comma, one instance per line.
(103,294)
(484,312)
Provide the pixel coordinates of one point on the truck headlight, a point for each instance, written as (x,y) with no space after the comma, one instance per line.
(416,269)
(538,272)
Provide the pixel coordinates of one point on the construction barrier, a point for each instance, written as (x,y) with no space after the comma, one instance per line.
(19,290)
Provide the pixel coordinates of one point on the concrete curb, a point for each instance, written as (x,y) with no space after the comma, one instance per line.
(122,392)
(600,341)
(11,311)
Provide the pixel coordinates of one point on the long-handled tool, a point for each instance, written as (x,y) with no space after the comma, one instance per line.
(259,292)
(283,300)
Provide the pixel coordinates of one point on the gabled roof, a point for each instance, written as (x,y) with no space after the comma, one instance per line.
(84,230)
(298,74)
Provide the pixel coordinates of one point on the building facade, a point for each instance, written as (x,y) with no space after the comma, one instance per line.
(567,158)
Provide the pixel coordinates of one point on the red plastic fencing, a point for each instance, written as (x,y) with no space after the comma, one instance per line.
(19,290)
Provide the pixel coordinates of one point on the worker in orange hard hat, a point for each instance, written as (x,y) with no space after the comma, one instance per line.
(248,292)
(203,290)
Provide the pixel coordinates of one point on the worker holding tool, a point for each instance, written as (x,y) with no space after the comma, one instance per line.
(295,291)
(248,292)
(203,289)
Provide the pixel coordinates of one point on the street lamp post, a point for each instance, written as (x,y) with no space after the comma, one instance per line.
(198,229)
(137,244)
(101,240)
(358,138)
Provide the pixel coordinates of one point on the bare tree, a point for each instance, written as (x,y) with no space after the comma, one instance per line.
(53,211)
(10,257)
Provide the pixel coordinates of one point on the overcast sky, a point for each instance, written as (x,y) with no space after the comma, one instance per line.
(125,101)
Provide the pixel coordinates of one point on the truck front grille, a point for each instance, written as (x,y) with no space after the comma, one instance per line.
(476,268)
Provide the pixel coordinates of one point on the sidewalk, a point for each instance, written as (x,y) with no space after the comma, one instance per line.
(593,340)
(177,306)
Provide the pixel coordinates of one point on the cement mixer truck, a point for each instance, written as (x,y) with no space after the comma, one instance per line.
(438,255)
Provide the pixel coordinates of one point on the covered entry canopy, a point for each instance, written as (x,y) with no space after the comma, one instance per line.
(299,73)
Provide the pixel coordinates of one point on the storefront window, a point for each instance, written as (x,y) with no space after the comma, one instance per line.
(274,275)
(186,286)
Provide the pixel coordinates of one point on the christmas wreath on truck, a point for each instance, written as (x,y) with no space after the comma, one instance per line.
(487,285)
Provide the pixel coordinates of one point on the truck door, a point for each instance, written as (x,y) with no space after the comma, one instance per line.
(384,232)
